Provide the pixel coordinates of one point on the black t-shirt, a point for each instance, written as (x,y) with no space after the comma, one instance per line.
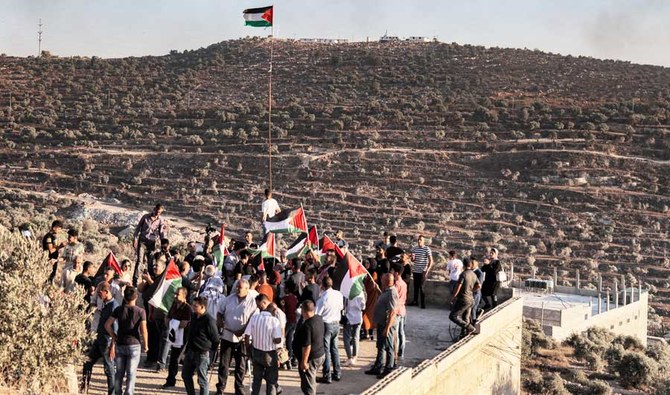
(50,238)
(129,319)
(393,251)
(407,273)
(310,292)
(86,282)
(383,267)
(310,333)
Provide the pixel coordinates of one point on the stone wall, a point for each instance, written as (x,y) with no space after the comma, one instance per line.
(488,363)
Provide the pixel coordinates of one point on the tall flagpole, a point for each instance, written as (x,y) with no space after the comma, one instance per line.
(270,107)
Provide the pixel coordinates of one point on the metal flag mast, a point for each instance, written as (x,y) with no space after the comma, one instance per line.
(264,17)
(272,36)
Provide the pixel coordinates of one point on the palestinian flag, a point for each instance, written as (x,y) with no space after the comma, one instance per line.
(267,249)
(258,17)
(166,290)
(348,276)
(110,261)
(219,252)
(303,244)
(293,221)
(327,244)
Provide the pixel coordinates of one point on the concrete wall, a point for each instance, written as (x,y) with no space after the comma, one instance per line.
(488,363)
(630,320)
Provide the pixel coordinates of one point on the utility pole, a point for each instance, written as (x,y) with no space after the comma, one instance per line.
(39,39)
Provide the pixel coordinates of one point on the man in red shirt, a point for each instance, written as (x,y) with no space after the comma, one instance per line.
(400,312)
(290,305)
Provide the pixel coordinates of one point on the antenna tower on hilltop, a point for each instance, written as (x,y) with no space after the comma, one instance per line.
(39,39)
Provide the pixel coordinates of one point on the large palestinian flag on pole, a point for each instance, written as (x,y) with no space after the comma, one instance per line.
(165,292)
(258,17)
(348,276)
(293,221)
(303,243)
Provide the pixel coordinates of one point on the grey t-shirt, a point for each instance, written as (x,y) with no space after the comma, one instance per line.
(387,301)
(468,280)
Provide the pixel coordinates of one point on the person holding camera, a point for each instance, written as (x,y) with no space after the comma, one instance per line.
(148,232)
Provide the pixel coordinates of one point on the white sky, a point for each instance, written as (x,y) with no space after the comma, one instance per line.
(635,30)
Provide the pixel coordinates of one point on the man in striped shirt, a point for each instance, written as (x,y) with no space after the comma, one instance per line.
(423,261)
(263,333)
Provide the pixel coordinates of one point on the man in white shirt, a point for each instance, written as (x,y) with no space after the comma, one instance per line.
(263,333)
(329,307)
(455,268)
(234,313)
(270,207)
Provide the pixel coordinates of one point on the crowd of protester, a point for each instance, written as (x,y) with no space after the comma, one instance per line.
(288,316)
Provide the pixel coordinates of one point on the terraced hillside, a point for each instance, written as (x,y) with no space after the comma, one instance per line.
(559,161)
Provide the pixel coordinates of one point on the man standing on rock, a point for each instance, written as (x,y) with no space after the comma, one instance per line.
(148,232)
(269,207)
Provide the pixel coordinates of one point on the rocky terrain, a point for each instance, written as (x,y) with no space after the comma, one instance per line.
(558,161)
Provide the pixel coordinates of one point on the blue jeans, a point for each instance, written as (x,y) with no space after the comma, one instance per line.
(401,335)
(331,330)
(193,362)
(385,348)
(127,359)
(100,349)
(352,333)
(165,346)
(290,334)
(478,299)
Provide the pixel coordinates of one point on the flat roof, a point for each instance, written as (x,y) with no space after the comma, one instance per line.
(559,301)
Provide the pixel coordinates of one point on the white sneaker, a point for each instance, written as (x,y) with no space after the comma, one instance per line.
(353,361)
(350,362)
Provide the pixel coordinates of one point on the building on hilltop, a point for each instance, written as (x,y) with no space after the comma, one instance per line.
(417,39)
(386,38)
(324,40)
(562,311)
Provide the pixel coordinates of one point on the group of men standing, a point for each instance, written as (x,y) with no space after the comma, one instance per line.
(288,315)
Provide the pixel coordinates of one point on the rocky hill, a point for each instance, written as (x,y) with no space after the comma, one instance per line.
(559,161)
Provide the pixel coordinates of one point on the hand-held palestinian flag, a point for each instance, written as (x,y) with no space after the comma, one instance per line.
(326,245)
(293,221)
(258,17)
(219,252)
(348,276)
(165,292)
(110,261)
(267,249)
(303,243)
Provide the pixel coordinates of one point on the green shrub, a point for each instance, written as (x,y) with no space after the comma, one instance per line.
(636,370)
(42,330)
